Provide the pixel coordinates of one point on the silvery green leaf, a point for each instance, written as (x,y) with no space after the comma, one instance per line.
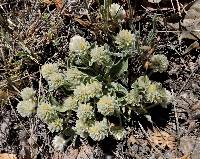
(119,88)
(54,101)
(118,54)
(88,70)
(120,67)
(69,132)
(61,109)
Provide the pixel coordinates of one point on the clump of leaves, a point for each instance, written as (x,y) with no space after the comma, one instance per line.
(92,91)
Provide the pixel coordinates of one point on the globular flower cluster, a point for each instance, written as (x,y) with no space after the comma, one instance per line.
(125,39)
(159,63)
(117,11)
(107,105)
(78,45)
(84,92)
(70,103)
(99,130)
(81,92)
(56,80)
(27,93)
(51,73)
(74,76)
(144,91)
(154,93)
(45,111)
(100,55)
(56,125)
(134,98)
(49,69)
(141,83)
(95,89)
(27,107)
(87,126)
(82,127)
(59,143)
(157,94)
(85,112)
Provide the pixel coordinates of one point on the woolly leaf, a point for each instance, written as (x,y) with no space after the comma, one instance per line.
(117,69)
(88,70)
(119,88)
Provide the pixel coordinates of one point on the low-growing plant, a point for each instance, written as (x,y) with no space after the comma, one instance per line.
(94,89)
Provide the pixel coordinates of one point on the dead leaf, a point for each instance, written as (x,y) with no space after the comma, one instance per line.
(194,45)
(191,22)
(190,145)
(7,156)
(59,4)
(146,65)
(163,139)
(84,23)
(190,26)
(132,140)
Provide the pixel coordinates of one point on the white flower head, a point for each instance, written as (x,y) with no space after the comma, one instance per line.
(94,89)
(74,76)
(99,130)
(167,98)
(107,105)
(117,11)
(70,103)
(82,127)
(85,112)
(125,39)
(58,143)
(159,63)
(56,125)
(56,80)
(141,83)
(90,90)
(26,108)
(27,93)
(45,111)
(154,93)
(78,44)
(133,97)
(100,55)
(81,93)
(49,69)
